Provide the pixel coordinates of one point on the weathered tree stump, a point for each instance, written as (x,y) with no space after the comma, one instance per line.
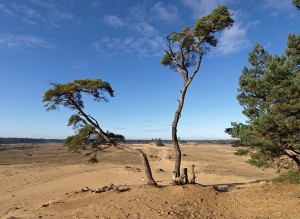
(185,176)
(193,179)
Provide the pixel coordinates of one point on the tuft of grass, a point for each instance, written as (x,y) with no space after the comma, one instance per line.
(184,155)
(241,152)
(292,177)
(93,160)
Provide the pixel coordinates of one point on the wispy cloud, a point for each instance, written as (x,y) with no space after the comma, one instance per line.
(38,13)
(203,7)
(114,21)
(20,42)
(5,10)
(232,41)
(168,13)
(140,37)
(140,46)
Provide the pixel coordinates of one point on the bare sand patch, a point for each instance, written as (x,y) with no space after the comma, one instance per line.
(50,176)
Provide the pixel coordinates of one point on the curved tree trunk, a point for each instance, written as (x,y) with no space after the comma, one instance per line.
(295,157)
(147,168)
(174,127)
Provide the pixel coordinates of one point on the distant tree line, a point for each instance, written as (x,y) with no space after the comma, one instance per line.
(127,141)
(142,141)
(29,141)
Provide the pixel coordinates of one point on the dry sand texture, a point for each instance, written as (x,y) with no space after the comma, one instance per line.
(48,175)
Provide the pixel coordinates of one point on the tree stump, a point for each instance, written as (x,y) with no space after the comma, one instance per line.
(193,180)
(185,176)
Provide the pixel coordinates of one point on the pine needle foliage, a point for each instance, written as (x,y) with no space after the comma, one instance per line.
(270,95)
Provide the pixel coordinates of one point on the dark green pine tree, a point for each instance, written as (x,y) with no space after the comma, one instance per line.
(89,133)
(270,94)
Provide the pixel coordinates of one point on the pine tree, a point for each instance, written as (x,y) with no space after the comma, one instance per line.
(270,94)
(184,54)
(70,95)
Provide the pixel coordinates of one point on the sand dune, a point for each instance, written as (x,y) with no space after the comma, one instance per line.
(47,175)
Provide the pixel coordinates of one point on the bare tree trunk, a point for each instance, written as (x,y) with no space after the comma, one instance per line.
(185,174)
(193,180)
(295,157)
(174,127)
(147,168)
(297,161)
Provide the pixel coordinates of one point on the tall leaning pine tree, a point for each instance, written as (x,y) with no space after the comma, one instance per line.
(184,54)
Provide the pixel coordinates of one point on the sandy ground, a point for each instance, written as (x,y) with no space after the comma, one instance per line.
(48,176)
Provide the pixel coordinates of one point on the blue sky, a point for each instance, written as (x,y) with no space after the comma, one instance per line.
(122,42)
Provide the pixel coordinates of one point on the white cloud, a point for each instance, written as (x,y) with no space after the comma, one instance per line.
(140,46)
(114,21)
(53,14)
(137,14)
(140,37)
(20,42)
(203,7)
(232,41)
(164,13)
(143,28)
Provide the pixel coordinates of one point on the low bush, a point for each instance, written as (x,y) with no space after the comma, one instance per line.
(290,177)
(93,160)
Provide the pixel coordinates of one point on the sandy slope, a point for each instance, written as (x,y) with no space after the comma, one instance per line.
(49,175)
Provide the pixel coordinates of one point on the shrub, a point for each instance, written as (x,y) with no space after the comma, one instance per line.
(157,141)
(93,160)
(290,177)
(241,152)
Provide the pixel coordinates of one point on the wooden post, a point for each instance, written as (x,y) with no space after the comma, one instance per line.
(185,175)
(193,180)
(174,182)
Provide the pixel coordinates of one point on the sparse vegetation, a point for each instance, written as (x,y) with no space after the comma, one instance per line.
(157,142)
(241,152)
(93,160)
(290,177)
(18,147)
